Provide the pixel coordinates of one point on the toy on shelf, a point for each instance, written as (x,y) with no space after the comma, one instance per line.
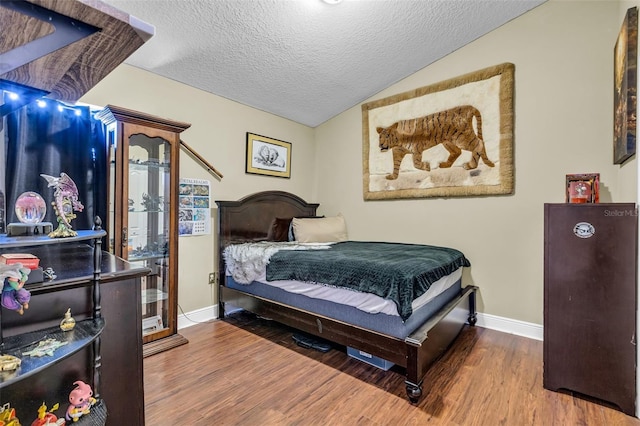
(9,363)
(44,347)
(152,202)
(30,207)
(81,399)
(64,204)
(47,418)
(49,274)
(8,416)
(14,295)
(68,322)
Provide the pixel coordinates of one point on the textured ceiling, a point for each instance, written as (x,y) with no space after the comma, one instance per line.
(306,60)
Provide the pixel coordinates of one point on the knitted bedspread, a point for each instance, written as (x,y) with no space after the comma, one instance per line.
(394,271)
(246,262)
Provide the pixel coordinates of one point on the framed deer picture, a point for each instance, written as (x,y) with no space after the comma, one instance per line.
(450,139)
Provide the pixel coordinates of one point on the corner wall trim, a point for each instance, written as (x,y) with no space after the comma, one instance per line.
(198,316)
(511,326)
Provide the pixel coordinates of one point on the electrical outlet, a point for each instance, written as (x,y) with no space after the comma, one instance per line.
(212,277)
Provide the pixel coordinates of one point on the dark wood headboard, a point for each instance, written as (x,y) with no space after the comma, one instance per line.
(251,218)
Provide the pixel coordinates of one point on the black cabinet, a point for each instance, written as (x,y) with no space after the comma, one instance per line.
(590,257)
(104,349)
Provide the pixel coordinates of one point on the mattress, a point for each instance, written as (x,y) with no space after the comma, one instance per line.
(361,309)
(398,272)
(367,302)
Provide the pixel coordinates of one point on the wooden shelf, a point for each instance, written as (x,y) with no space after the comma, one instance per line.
(97,416)
(73,268)
(94,284)
(68,72)
(83,334)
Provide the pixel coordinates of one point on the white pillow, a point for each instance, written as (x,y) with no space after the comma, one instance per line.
(320,230)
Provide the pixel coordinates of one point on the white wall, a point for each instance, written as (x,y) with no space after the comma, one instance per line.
(563,54)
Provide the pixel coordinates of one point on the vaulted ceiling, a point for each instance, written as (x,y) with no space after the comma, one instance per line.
(306,60)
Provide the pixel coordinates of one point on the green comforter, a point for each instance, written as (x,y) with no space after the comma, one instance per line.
(399,272)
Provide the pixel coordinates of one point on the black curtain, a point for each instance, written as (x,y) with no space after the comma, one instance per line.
(50,140)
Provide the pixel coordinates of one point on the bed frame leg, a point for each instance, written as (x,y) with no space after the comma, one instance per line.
(473,316)
(414,392)
(220,310)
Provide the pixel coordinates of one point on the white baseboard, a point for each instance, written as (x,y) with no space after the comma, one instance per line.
(493,322)
(198,316)
(508,325)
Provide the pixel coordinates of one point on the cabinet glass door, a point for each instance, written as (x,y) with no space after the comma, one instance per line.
(148,225)
(144,171)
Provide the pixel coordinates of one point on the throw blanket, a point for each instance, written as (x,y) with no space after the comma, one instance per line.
(399,272)
(246,262)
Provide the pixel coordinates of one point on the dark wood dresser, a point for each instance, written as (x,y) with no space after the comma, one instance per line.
(590,257)
(119,350)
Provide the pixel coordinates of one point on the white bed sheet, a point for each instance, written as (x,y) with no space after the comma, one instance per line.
(366,302)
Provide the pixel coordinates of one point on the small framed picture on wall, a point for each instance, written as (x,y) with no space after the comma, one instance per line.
(583,188)
(268,156)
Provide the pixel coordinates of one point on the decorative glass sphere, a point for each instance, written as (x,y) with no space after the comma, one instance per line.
(30,207)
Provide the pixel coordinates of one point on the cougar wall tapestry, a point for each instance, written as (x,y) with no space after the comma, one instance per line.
(453,138)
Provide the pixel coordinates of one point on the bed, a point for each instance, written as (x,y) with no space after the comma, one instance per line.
(413,338)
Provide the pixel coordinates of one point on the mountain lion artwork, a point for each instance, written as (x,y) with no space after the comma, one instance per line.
(452,138)
(453,128)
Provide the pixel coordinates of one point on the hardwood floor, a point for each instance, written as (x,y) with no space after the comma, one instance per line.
(248,371)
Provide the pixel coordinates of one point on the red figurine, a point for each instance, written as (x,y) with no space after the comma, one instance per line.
(47,418)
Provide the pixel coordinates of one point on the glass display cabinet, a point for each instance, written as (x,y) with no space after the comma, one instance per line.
(142,226)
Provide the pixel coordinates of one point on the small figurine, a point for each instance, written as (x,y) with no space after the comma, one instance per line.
(152,202)
(9,363)
(14,295)
(45,347)
(47,418)
(8,416)
(49,274)
(64,204)
(30,207)
(81,399)
(68,322)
